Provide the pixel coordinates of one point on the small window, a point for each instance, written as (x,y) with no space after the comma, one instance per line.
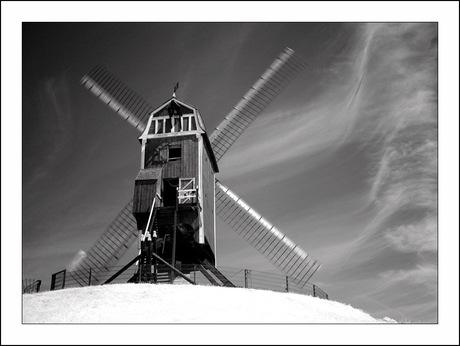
(168,126)
(160,126)
(177,124)
(152,127)
(174,154)
(185,122)
(193,123)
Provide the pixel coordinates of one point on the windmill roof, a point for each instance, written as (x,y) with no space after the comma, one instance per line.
(149,174)
(183,105)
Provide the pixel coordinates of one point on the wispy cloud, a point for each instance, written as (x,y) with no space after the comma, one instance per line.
(56,119)
(77,259)
(316,125)
(416,237)
(397,122)
(406,162)
(420,275)
(385,101)
(414,291)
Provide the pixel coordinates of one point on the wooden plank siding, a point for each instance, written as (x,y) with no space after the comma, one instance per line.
(144,192)
(156,153)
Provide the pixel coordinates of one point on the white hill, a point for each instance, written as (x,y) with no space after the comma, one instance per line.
(147,303)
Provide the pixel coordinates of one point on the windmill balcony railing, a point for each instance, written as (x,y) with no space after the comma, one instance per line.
(187,196)
(244,278)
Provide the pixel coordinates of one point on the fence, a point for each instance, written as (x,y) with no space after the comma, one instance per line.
(31,285)
(58,280)
(245,278)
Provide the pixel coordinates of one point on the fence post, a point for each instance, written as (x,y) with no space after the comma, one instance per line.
(63,280)
(53,282)
(246,274)
(39,282)
(314,291)
(89,280)
(287,283)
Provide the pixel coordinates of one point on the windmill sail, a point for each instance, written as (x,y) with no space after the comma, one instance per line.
(118,96)
(285,255)
(288,257)
(285,68)
(108,249)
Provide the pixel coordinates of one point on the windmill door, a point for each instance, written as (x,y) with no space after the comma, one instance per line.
(169,192)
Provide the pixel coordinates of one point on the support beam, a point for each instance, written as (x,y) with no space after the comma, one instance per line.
(173,260)
(113,277)
(173,269)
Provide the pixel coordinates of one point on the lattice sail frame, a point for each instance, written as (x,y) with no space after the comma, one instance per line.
(118,96)
(285,68)
(282,252)
(111,246)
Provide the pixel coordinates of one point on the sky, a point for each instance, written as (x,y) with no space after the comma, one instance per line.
(344,161)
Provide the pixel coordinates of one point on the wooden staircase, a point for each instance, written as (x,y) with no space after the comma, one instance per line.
(163,277)
(164,217)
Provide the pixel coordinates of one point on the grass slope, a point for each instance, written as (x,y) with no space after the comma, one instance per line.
(147,303)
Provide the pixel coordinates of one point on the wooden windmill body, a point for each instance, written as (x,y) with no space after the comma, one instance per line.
(175,187)
(176,194)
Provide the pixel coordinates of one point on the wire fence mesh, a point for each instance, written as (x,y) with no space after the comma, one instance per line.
(199,275)
(31,285)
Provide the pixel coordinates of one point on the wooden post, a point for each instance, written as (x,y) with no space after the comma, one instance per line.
(53,279)
(63,280)
(246,278)
(114,276)
(194,273)
(139,263)
(287,283)
(139,243)
(143,245)
(53,282)
(89,280)
(141,259)
(314,291)
(154,260)
(173,260)
(149,258)
(173,269)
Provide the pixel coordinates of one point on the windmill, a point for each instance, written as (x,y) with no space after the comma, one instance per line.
(176,195)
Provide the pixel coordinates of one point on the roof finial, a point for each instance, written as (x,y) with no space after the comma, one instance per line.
(176,86)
